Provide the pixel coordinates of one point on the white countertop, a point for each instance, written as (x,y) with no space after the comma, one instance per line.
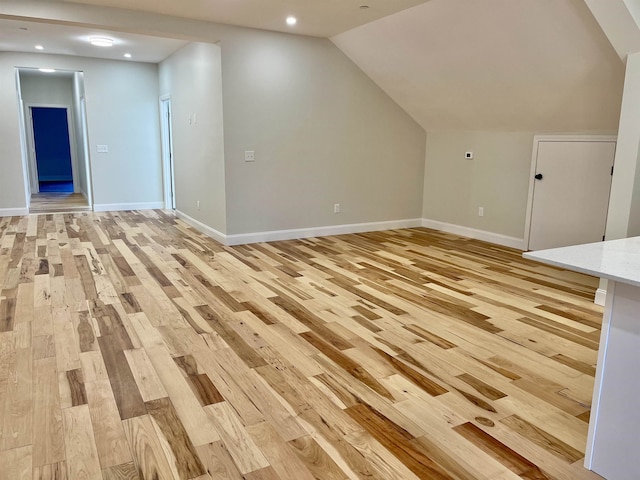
(613,259)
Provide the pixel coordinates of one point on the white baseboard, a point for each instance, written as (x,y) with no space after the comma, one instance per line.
(601,295)
(13,212)
(207,230)
(485,236)
(276,235)
(115,207)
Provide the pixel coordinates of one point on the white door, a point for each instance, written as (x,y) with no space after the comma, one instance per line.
(571,193)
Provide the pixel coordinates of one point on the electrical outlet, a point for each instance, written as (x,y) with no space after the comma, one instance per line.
(102,148)
(481,211)
(249,156)
(336,208)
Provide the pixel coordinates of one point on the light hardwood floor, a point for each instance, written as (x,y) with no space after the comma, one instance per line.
(132,346)
(58,202)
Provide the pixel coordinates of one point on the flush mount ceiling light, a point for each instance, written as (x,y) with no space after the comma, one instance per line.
(101,41)
(291,20)
(127,55)
(47,70)
(39,47)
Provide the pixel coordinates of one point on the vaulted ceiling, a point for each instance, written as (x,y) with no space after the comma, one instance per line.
(320,18)
(535,65)
(528,65)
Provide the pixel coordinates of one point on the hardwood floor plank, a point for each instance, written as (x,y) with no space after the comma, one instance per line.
(80,447)
(319,463)
(48,430)
(17,425)
(516,463)
(397,441)
(125,390)
(16,463)
(542,438)
(246,455)
(149,456)
(187,462)
(53,471)
(218,462)
(111,443)
(133,346)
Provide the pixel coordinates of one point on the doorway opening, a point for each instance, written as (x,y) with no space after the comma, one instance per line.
(52,148)
(54,141)
(167,153)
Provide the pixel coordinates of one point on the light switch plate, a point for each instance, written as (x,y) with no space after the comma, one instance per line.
(103,148)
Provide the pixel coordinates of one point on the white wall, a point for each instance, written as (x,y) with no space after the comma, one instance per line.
(122,111)
(46,90)
(323,133)
(497,178)
(193,78)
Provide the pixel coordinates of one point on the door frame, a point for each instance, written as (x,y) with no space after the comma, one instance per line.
(537,139)
(31,150)
(168,170)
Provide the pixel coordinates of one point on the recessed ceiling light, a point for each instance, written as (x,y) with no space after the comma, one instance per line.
(39,47)
(101,42)
(127,55)
(47,70)
(291,20)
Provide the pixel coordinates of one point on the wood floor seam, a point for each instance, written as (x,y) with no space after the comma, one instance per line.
(134,347)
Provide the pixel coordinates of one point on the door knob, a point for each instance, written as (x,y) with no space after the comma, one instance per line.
(538,176)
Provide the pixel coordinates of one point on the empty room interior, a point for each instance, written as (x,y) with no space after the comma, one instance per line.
(284,239)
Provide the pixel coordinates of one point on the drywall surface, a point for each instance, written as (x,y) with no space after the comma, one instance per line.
(323,134)
(497,179)
(192,77)
(122,113)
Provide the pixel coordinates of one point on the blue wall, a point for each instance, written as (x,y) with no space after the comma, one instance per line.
(53,152)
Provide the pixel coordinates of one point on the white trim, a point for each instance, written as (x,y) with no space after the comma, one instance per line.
(114,207)
(168,170)
(24,145)
(483,235)
(600,366)
(276,235)
(601,295)
(207,230)
(534,160)
(13,212)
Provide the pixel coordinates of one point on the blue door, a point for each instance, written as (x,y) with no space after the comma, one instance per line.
(53,151)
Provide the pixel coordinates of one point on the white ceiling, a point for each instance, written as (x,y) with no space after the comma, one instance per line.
(20,36)
(321,18)
(529,65)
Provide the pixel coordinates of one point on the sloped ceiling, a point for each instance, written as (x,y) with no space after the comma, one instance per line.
(320,18)
(528,65)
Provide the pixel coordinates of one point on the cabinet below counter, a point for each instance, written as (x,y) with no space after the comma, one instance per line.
(613,442)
